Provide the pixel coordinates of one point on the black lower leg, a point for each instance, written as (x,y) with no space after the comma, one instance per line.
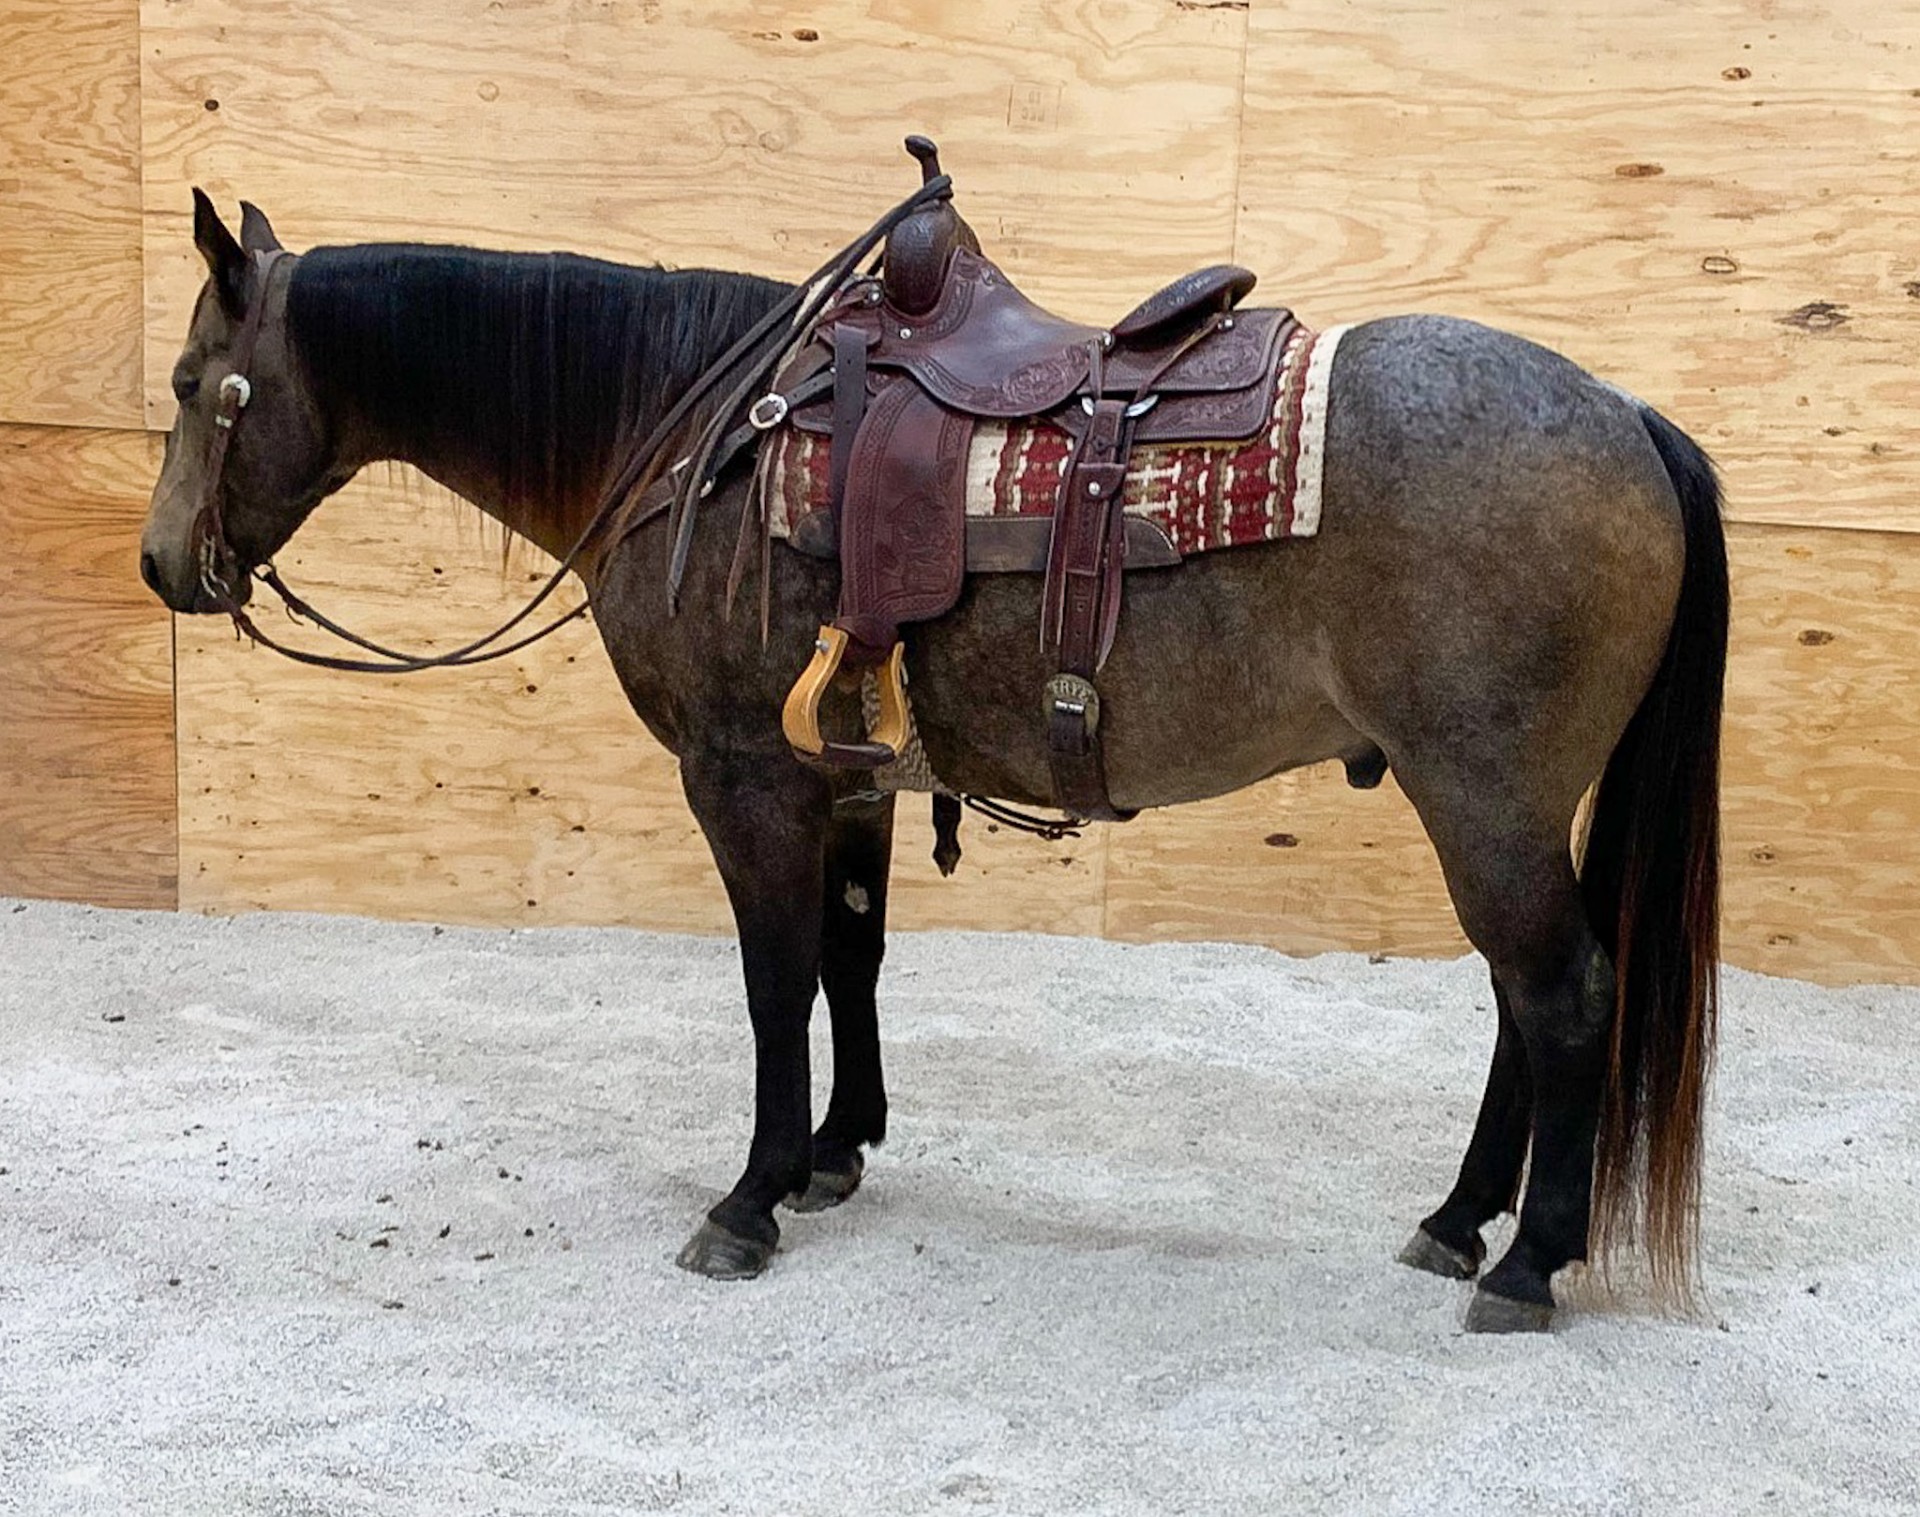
(1503,847)
(1489,1179)
(852,943)
(766,824)
(1565,1031)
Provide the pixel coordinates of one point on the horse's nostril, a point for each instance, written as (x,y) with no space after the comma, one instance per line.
(150,572)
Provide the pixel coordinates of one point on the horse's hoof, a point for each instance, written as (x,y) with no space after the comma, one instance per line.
(1424,1251)
(721,1255)
(828,1188)
(1490,1313)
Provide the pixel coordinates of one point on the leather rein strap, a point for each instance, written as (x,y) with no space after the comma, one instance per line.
(748,363)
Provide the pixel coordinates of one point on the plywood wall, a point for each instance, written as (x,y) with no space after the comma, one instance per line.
(1709,204)
(523,791)
(738,133)
(86,699)
(70,271)
(86,657)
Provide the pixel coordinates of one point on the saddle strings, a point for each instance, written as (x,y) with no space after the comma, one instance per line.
(764,343)
(1046,828)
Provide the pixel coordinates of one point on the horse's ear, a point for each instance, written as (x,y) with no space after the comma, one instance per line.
(256,232)
(225,260)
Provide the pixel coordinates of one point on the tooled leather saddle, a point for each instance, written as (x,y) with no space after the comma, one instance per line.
(904,366)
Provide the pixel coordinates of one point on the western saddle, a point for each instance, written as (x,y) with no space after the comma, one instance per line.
(905,365)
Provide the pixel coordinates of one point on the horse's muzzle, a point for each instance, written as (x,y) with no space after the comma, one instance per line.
(191,596)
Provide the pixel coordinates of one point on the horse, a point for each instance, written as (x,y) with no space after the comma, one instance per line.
(1517,601)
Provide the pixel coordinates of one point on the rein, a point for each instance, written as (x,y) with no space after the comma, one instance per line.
(689,480)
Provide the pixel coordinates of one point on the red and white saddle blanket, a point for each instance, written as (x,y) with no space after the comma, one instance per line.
(1201,495)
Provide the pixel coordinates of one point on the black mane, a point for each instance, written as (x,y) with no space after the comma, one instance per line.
(547,367)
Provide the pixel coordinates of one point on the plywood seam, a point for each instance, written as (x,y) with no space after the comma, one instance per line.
(1240,125)
(1781,524)
(101,428)
(1778,528)
(140,405)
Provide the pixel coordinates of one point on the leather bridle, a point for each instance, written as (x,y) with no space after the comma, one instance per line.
(207,546)
(676,492)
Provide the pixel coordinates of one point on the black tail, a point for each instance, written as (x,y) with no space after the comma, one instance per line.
(1651,878)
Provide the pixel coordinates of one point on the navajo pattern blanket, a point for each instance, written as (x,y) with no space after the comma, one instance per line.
(1203,496)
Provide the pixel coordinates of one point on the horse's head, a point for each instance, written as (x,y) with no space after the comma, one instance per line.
(250,453)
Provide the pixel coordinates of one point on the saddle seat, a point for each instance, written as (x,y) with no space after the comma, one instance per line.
(942,340)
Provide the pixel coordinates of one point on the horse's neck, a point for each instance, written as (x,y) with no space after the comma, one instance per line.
(553,523)
(520,383)
(550,515)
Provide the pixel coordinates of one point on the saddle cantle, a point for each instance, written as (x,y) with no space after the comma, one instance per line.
(941,341)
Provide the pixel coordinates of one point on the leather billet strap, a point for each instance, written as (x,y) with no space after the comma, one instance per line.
(850,346)
(1081,599)
(1080,603)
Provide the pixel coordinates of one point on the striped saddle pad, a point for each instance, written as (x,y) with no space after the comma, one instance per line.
(1202,496)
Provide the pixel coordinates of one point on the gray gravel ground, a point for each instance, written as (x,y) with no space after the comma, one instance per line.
(318,1215)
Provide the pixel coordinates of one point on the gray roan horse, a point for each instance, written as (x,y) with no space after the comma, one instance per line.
(1519,591)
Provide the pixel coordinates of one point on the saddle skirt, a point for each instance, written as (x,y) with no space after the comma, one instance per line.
(1181,498)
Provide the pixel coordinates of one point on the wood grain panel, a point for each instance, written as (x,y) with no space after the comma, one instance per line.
(1823,756)
(70,294)
(1709,205)
(86,656)
(1095,142)
(1302,863)
(521,792)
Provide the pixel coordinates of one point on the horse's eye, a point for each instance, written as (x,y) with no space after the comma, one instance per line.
(185,387)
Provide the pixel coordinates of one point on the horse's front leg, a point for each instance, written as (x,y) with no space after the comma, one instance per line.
(853,942)
(766,821)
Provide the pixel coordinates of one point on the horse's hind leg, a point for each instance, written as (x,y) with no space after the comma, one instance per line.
(1512,882)
(1448,1242)
(853,939)
(1564,1014)
(766,821)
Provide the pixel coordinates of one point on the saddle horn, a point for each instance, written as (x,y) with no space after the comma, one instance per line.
(928,154)
(918,250)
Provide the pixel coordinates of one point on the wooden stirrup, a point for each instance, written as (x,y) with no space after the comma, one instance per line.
(800,717)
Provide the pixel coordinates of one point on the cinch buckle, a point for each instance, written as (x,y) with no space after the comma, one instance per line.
(1137,408)
(768,412)
(1075,696)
